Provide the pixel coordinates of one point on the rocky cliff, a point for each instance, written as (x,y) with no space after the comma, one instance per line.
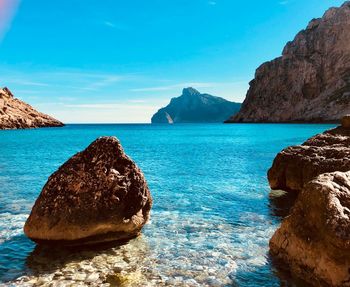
(16,114)
(194,107)
(310,82)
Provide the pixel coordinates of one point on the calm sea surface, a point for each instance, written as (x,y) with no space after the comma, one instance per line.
(211,220)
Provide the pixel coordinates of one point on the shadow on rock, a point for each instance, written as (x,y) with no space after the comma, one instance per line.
(281,270)
(281,202)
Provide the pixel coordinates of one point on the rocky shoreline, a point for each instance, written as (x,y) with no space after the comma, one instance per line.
(16,114)
(314,240)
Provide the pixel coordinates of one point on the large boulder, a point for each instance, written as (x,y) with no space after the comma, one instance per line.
(297,165)
(314,241)
(98,195)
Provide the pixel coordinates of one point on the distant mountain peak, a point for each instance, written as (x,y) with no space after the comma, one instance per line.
(194,107)
(190,91)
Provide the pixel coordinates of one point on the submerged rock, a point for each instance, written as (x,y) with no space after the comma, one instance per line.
(98,195)
(297,165)
(314,241)
(16,114)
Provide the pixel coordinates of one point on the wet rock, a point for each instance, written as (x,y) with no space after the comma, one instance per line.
(79,277)
(314,241)
(98,195)
(16,114)
(92,278)
(126,279)
(297,165)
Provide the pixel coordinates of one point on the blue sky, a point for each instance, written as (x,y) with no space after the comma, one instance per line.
(119,61)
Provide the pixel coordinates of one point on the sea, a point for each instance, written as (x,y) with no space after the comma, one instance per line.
(211,221)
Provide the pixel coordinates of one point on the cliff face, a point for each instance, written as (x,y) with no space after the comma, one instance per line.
(16,114)
(194,107)
(310,82)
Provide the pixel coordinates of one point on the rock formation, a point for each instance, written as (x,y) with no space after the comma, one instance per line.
(314,241)
(297,165)
(98,195)
(310,82)
(194,107)
(16,114)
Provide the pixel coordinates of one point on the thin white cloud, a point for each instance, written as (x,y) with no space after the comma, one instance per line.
(27,83)
(284,2)
(109,106)
(106,81)
(212,3)
(173,87)
(109,24)
(116,26)
(136,101)
(70,94)
(65,78)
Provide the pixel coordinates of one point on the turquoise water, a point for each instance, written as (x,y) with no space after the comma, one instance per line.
(211,220)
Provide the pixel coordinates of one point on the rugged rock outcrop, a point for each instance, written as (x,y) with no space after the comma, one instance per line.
(297,165)
(98,195)
(194,107)
(310,82)
(314,241)
(16,114)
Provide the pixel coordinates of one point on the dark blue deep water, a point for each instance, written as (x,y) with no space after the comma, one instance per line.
(212,215)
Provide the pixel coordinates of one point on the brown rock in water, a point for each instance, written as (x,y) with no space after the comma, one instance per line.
(310,82)
(16,114)
(297,165)
(98,195)
(314,241)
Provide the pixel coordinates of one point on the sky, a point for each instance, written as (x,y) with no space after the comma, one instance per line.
(113,61)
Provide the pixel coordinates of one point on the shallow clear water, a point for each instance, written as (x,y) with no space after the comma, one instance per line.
(210,223)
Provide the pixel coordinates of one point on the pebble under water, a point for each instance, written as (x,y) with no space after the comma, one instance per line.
(211,221)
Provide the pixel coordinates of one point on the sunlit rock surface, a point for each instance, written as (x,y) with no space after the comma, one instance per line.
(16,114)
(314,241)
(98,195)
(310,82)
(297,165)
